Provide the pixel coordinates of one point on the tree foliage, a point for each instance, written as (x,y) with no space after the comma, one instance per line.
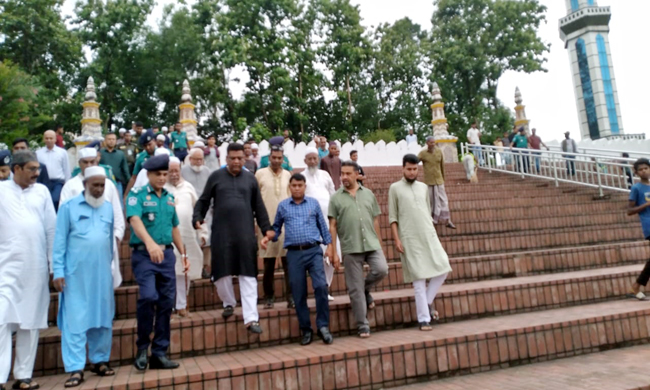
(257,67)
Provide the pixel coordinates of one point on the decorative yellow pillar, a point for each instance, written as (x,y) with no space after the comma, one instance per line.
(520,111)
(445,141)
(91,123)
(187,116)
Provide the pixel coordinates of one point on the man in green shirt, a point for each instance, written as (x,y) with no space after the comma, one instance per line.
(354,218)
(520,141)
(115,159)
(129,149)
(148,143)
(179,142)
(154,224)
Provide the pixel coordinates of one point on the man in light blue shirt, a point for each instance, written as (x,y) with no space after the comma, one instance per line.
(81,263)
(57,163)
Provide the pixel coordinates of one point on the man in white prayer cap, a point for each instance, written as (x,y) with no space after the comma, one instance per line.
(27,223)
(88,159)
(120,138)
(320,187)
(160,140)
(255,149)
(81,263)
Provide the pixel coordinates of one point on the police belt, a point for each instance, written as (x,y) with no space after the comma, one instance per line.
(180,149)
(144,247)
(302,247)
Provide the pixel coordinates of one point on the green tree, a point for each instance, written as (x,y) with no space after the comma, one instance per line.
(18,108)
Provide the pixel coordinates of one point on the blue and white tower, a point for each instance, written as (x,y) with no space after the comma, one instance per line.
(585,32)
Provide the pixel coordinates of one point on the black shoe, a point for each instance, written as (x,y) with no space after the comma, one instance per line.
(325,335)
(141,360)
(290,303)
(254,327)
(228,311)
(307,337)
(162,363)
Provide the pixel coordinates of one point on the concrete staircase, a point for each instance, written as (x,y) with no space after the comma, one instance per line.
(539,273)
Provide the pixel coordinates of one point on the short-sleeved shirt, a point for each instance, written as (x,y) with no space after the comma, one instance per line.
(640,194)
(535,142)
(139,160)
(520,141)
(434,167)
(158,214)
(355,220)
(473,136)
(179,140)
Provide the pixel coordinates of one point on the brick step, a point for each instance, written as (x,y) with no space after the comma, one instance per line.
(618,369)
(465,269)
(206,332)
(392,358)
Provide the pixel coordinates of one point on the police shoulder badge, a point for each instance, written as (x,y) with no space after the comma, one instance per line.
(7,160)
(133,201)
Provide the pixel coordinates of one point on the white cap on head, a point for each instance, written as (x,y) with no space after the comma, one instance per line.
(160,152)
(86,153)
(310,150)
(160,137)
(94,171)
(122,130)
(198,144)
(174,160)
(132,132)
(254,146)
(164,129)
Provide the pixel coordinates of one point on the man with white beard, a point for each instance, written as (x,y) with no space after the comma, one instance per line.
(88,158)
(185,198)
(320,187)
(27,223)
(81,263)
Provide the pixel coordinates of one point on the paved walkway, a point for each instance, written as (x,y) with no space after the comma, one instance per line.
(621,369)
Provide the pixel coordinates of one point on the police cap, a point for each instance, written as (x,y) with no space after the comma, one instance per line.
(5,158)
(278,140)
(95,145)
(157,163)
(147,137)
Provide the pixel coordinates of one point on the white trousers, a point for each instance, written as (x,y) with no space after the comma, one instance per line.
(424,295)
(26,346)
(329,268)
(248,292)
(182,291)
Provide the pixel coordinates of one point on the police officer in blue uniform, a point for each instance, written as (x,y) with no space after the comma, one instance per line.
(5,165)
(154,227)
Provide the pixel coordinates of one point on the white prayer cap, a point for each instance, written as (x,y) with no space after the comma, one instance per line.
(310,150)
(160,152)
(86,153)
(122,130)
(164,129)
(254,146)
(132,132)
(174,160)
(160,137)
(198,144)
(94,171)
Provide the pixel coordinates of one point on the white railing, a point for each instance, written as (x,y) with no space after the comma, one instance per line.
(596,171)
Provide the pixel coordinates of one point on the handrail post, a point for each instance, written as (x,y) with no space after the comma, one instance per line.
(486,156)
(557,184)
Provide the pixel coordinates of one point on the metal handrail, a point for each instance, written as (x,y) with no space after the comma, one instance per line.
(591,170)
(602,152)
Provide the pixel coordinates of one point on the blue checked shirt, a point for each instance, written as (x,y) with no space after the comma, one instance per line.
(304,223)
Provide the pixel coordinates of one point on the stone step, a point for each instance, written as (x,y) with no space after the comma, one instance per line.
(465,269)
(391,358)
(206,332)
(618,369)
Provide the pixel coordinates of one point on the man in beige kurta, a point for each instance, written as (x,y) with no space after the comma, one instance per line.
(421,253)
(434,177)
(185,198)
(274,187)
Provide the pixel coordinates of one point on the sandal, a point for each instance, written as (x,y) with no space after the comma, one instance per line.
(364,332)
(25,384)
(370,302)
(269,303)
(102,369)
(254,327)
(76,378)
(425,326)
(451,225)
(640,296)
(227,312)
(435,316)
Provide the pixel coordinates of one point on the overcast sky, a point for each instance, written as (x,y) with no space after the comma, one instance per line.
(549,97)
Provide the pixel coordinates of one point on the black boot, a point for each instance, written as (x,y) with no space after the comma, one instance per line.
(162,363)
(141,360)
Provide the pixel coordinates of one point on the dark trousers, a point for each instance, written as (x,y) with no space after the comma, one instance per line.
(301,262)
(181,153)
(645,274)
(269,277)
(55,190)
(157,284)
(570,166)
